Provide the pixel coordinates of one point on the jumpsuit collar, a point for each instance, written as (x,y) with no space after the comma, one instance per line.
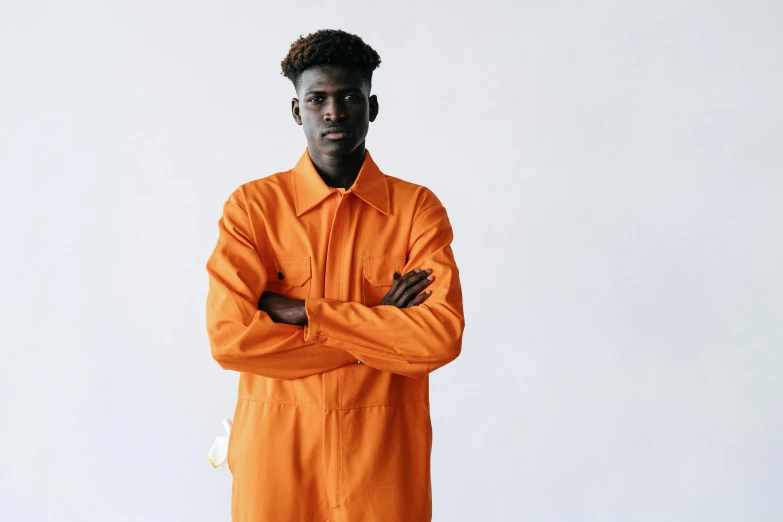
(310,190)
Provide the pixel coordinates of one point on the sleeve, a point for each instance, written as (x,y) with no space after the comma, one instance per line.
(242,337)
(408,341)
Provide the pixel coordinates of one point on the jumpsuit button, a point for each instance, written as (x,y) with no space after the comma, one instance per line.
(358,362)
(280,275)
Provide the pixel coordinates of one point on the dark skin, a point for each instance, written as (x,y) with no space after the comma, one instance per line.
(335,109)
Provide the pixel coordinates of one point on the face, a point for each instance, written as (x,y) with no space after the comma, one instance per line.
(334,108)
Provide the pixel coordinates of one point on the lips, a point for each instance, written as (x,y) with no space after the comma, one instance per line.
(336,128)
(337,132)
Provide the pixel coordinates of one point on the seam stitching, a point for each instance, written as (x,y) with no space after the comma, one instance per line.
(370,404)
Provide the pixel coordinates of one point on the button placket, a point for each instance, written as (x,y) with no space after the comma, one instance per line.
(332,424)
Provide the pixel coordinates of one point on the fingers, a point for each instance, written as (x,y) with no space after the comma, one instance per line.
(406,288)
(404,282)
(397,287)
(419,299)
(414,290)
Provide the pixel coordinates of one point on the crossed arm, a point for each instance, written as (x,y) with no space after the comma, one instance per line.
(407,291)
(411,333)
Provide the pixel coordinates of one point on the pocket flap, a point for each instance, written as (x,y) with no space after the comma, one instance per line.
(286,270)
(380,270)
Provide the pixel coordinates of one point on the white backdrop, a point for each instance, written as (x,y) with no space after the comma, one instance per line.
(613,175)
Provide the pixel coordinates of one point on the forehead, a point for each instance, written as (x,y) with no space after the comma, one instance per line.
(331,78)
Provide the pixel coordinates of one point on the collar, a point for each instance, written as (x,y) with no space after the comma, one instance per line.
(310,190)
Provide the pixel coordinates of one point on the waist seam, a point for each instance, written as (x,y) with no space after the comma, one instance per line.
(344,407)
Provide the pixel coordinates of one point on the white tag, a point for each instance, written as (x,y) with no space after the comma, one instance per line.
(218,454)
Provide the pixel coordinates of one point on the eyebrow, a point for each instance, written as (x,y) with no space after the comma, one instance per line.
(339,91)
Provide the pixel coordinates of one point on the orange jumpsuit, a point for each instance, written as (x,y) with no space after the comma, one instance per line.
(332,421)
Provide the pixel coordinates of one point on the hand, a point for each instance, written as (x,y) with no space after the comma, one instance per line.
(283,309)
(405,292)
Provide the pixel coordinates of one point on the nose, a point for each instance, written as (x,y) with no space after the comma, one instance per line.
(334,110)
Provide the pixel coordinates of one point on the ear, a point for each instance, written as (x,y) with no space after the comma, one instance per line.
(295,111)
(373,107)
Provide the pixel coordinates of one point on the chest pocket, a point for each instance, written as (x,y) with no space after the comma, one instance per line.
(287,275)
(379,277)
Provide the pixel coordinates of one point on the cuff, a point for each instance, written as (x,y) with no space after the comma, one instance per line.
(313,329)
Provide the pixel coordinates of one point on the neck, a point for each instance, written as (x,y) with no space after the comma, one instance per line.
(338,172)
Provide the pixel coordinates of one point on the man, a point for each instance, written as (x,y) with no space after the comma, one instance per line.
(333,290)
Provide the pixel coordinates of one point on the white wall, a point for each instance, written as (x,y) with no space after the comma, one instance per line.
(613,175)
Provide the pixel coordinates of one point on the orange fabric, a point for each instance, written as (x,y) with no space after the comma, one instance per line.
(316,436)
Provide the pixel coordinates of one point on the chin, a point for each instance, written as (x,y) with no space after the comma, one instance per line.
(337,149)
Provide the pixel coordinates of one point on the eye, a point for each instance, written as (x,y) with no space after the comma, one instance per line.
(352,97)
(314,99)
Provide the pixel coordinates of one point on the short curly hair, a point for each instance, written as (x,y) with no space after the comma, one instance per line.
(329,46)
